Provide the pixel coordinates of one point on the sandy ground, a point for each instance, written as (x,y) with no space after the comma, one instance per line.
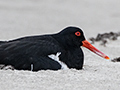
(20,18)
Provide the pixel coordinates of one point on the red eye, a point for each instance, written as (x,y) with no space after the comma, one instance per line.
(77,33)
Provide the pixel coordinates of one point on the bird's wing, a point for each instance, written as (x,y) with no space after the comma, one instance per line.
(28,51)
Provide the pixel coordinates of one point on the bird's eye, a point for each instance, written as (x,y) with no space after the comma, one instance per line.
(77,33)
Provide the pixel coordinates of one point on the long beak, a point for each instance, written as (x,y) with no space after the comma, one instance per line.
(93,49)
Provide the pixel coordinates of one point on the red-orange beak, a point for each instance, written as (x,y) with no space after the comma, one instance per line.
(93,49)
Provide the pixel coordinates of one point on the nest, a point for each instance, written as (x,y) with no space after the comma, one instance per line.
(116,59)
(105,37)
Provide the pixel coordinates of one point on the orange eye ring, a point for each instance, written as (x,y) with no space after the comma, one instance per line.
(77,33)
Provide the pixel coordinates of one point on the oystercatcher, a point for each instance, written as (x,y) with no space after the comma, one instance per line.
(54,51)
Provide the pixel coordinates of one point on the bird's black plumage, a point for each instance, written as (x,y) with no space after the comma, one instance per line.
(22,52)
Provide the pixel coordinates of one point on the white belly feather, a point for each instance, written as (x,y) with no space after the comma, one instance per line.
(56,58)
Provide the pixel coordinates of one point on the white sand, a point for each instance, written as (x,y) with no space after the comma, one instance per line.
(20,18)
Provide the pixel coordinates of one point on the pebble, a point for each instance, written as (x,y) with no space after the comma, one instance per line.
(3,67)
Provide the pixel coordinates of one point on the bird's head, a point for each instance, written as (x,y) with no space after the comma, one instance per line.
(73,37)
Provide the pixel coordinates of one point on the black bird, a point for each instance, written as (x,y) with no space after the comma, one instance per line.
(53,51)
